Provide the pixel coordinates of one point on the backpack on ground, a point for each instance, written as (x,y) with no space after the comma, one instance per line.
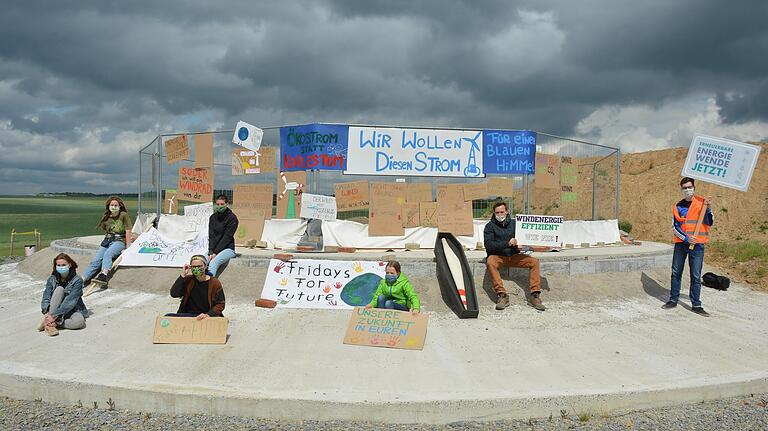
(715,281)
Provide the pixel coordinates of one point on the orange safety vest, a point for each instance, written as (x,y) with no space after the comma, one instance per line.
(688,224)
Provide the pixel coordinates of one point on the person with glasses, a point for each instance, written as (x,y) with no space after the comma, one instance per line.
(221,235)
(201,294)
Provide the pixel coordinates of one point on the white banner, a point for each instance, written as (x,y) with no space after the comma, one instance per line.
(247,136)
(415,152)
(538,230)
(155,249)
(328,284)
(721,161)
(197,217)
(318,206)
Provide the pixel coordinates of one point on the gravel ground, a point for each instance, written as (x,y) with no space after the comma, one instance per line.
(743,413)
(10,259)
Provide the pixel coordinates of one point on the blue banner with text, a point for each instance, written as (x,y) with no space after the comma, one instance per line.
(320,147)
(509,151)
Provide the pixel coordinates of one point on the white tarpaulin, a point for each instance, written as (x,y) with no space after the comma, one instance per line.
(344,233)
(328,284)
(592,231)
(155,249)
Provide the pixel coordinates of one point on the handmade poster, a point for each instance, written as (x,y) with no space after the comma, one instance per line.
(245,162)
(188,330)
(170,203)
(418,192)
(176,149)
(329,284)
(252,200)
(247,136)
(195,184)
(415,152)
(385,219)
(394,329)
(394,193)
(455,216)
(197,217)
(547,171)
(509,151)
(313,146)
(267,161)
(428,214)
(721,161)
(450,191)
(290,186)
(475,191)
(318,207)
(567,179)
(351,196)
(204,150)
(538,230)
(249,229)
(410,214)
(500,187)
(152,248)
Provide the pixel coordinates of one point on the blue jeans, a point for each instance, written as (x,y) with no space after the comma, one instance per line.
(103,259)
(695,261)
(222,258)
(383,302)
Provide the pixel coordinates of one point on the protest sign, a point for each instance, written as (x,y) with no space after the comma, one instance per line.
(453,192)
(195,184)
(247,136)
(267,161)
(197,216)
(509,151)
(455,216)
(567,179)
(245,162)
(418,192)
(249,229)
(152,248)
(188,330)
(290,186)
(252,200)
(329,284)
(394,329)
(475,191)
(204,150)
(538,230)
(500,187)
(410,214)
(313,146)
(394,193)
(176,149)
(721,161)
(170,203)
(351,196)
(318,207)
(415,152)
(428,214)
(385,219)
(547,171)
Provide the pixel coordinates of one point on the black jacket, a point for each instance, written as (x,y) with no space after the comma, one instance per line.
(496,237)
(221,231)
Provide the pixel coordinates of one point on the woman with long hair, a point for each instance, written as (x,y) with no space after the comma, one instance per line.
(62,305)
(116,224)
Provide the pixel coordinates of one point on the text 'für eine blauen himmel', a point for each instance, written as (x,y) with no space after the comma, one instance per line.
(505,148)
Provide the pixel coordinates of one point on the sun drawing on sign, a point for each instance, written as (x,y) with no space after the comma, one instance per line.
(283,281)
(358,267)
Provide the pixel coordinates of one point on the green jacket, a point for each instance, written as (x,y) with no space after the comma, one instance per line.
(400,291)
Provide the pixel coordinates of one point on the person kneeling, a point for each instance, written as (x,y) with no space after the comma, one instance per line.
(62,303)
(395,291)
(201,295)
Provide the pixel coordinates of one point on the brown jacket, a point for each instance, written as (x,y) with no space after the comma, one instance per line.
(182,288)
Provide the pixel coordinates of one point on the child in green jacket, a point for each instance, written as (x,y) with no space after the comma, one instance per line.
(395,291)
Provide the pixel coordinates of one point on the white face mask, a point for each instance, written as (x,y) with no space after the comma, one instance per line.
(688,193)
(500,219)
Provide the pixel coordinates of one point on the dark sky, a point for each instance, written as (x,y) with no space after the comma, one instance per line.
(85,84)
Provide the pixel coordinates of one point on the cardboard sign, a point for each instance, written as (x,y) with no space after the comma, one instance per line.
(721,161)
(410,214)
(152,248)
(500,186)
(176,149)
(245,162)
(567,179)
(385,219)
(188,330)
(204,150)
(197,216)
(352,196)
(195,184)
(318,207)
(249,229)
(454,192)
(268,160)
(252,200)
(313,146)
(328,284)
(428,214)
(170,203)
(547,171)
(394,329)
(475,191)
(509,151)
(538,230)
(418,192)
(455,217)
(290,187)
(388,192)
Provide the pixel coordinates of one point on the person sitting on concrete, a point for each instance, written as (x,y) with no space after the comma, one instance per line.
(116,224)
(221,236)
(395,291)
(502,251)
(201,294)
(62,305)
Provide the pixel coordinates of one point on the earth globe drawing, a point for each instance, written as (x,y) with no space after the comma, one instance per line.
(359,291)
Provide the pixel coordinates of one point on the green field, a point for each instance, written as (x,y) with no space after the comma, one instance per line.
(55,217)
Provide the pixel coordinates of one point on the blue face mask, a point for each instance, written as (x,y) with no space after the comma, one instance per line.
(63,270)
(390,278)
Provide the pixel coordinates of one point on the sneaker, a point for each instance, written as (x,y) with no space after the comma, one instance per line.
(535,302)
(502,301)
(100,279)
(700,311)
(51,330)
(669,305)
(41,326)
